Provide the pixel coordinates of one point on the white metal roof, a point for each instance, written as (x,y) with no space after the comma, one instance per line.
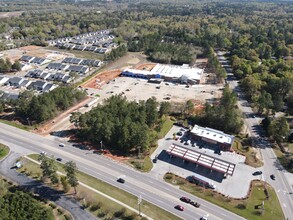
(212,134)
(171,71)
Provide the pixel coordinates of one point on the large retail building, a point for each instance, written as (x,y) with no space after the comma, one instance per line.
(171,73)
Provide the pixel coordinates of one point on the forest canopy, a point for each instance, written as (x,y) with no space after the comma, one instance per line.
(121,124)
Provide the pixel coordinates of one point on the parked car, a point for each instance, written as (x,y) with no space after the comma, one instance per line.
(59,159)
(179,133)
(273,177)
(120,180)
(179,207)
(203,218)
(185,199)
(257,173)
(61,145)
(195,204)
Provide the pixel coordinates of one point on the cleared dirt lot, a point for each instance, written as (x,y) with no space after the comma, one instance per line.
(98,81)
(10,14)
(15,54)
(139,89)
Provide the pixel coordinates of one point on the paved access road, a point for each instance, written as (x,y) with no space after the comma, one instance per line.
(152,190)
(46,192)
(282,184)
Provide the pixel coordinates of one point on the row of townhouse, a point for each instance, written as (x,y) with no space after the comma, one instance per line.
(49,76)
(88,38)
(19,82)
(87,48)
(79,69)
(34,60)
(79,61)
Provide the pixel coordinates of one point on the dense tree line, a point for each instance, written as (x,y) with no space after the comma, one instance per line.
(121,124)
(160,50)
(116,53)
(215,66)
(20,205)
(225,116)
(6,66)
(171,32)
(46,106)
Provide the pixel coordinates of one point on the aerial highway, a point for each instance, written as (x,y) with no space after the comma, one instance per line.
(155,191)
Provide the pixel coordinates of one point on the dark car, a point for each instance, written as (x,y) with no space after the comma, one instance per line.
(195,204)
(273,177)
(257,173)
(179,207)
(179,133)
(185,199)
(120,180)
(59,159)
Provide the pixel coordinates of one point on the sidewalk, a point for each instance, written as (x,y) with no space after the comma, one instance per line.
(46,192)
(103,194)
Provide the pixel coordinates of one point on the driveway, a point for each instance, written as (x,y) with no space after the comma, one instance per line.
(229,186)
(45,192)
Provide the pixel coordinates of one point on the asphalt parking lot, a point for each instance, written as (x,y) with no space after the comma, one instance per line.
(139,89)
(235,186)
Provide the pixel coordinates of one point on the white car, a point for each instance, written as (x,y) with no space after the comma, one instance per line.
(61,145)
(43,153)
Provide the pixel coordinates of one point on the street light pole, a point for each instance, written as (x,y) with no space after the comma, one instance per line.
(28,120)
(101,142)
(139,202)
(138,152)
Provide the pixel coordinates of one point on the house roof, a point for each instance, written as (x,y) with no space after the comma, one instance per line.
(56,66)
(26,58)
(76,68)
(24,82)
(7,95)
(38,84)
(48,87)
(38,60)
(15,80)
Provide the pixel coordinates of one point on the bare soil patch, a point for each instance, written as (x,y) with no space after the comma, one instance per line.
(146,66)
(99,80)
(10,14)
(53,124)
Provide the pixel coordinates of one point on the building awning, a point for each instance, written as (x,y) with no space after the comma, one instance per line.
(202,159)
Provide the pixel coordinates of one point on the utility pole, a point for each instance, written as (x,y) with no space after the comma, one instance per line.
(138,152)
(101,142)
(28,120)
(139,202)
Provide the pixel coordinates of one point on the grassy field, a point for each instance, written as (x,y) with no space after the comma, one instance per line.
(244,208)
(249,153)
(146,207)
(167,125)
(4,150)
(80,54)
(20,126)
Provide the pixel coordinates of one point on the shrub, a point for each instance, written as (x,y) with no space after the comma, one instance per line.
(65,184)
(241,206)
(101,213)
(67,217)
(52,205)
(94,207)
(120,213)
(60,211)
